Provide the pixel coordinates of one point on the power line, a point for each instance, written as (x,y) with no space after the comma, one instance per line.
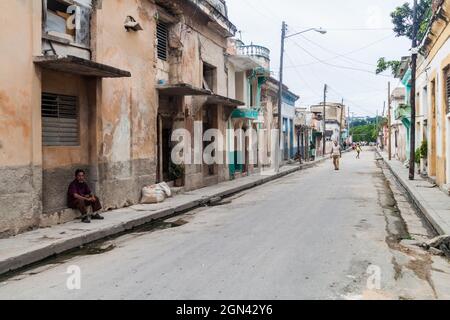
(262,13)
(359,29)
(338,55)
(338,66)
(301,77)
(352,51)
(351,101)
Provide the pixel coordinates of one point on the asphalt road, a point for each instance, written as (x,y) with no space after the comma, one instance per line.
(316,234)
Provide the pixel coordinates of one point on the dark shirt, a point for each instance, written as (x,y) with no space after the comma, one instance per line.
(81,189)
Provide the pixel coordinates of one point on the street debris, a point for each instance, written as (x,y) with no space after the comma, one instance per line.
(156,193)
(439,245)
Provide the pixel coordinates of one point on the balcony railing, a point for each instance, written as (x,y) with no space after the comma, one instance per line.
(220,6)
(254,50)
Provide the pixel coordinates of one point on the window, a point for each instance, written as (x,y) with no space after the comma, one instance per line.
(162,36)
(447,86)
(209,77)
(66,20)
(59,120)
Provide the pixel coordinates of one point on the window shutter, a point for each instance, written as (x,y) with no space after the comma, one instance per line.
(59,120)
(162,35)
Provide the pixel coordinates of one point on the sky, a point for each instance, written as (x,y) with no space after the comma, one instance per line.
(358,33)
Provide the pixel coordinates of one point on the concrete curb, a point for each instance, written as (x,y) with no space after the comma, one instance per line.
(426,210)
(34,255)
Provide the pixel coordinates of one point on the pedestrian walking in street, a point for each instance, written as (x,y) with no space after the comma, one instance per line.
(336,154)
(358,151)
(80,197)
(312,148)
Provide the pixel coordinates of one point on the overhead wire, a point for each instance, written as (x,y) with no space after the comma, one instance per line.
(301,77)
(335,65)
(347,53)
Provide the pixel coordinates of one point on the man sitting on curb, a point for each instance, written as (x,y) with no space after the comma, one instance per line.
(80,197)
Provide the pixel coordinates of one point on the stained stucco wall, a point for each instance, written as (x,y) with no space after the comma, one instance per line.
(127,107)
(20,148)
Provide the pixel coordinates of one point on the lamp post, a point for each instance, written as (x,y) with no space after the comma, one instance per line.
(284,36)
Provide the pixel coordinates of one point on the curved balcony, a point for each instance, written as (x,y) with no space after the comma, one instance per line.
(254,51)
(259,54)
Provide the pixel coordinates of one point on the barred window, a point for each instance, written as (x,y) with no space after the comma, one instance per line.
(447,86)
(162,35)
(59,120)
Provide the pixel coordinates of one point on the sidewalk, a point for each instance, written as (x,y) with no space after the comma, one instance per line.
(30,247)
(432,202)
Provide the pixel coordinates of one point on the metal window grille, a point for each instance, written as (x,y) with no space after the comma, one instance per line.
(162,35)
(447,85)
(59,120)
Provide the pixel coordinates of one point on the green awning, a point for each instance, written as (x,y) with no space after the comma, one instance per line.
(245,114)
(317,134)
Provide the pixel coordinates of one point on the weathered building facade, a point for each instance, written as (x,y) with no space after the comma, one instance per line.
(433,96)
(251,66)
(399,117)
(335,122)
(100,85)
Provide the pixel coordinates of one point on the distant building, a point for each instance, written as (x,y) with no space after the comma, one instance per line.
(335,123)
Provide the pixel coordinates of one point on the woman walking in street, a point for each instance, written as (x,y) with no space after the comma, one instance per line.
(358,151)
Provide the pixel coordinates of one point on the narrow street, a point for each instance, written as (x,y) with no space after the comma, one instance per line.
(316,234)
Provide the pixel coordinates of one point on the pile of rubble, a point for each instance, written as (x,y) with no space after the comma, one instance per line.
(438,246)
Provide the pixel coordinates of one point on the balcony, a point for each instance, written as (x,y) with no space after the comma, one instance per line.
(254,51)
(217,13)
(403,111)
(250,57)
(66,40)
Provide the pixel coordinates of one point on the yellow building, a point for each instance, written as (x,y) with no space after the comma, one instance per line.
(433,95)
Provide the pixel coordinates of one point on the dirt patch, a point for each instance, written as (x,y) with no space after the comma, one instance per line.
(420,263)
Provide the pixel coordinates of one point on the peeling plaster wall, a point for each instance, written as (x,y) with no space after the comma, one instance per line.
(20,155)
(199,44)
(118,117)
(127,108)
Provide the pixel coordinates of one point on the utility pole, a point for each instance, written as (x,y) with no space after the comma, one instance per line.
(376,128)
(382,127)
(280,94)
(412,160)
(340,124)
(324,119)
(349,124)
(389,122)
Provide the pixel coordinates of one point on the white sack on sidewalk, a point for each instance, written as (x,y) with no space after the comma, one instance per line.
(152,194)
(166,189)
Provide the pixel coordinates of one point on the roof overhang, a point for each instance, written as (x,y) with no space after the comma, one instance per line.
(182,89)
(243,63)
(245,113)
(80,66)
(225,101)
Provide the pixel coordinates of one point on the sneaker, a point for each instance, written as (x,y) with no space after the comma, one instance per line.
(86,220)
(97,217)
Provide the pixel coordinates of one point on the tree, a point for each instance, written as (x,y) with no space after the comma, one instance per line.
(369,130)
(383,65)
(402,18)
